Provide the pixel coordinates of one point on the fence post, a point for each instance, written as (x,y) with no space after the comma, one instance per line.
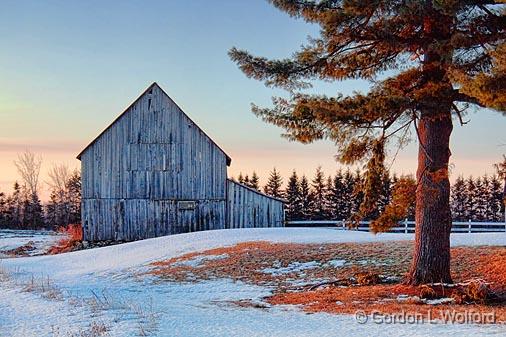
(469,227)
(406,225)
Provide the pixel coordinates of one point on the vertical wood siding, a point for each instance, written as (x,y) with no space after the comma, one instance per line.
(248,208)
(138,169)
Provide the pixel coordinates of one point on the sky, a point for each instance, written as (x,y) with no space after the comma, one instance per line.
(68,68)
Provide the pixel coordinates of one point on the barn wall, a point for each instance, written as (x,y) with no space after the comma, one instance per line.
(137,170)
(247,208)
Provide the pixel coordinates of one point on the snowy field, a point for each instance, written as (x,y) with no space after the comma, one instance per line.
(40,241)
(103,292)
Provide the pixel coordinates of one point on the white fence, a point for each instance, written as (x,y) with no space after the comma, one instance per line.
(404,226)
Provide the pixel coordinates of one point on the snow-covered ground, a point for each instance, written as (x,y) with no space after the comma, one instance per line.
(39,240)
(105,287)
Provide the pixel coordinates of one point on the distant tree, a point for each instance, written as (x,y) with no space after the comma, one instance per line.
(305,198)
(471,192)
(274,186)
(293,198)
(501,172)
(58,208)
(496,207)
(319,193)
(3,211)
(28,167)
(73,186)
(337,196)
(240,178)
(428,60)
(15,207)
(255,181)
(246,180)
(459,200)
(481,198)
(358,194)
(386,192)
(349,203)
(33,212)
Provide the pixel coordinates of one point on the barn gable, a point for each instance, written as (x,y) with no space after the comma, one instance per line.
(149,92)
(154,172)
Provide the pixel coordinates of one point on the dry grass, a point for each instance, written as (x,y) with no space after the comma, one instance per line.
(361,265)
(73,237)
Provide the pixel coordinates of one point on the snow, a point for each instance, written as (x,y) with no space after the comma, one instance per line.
(39,240)
(106,285)
(294,267)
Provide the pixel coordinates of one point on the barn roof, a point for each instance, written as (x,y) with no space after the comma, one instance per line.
(229,160)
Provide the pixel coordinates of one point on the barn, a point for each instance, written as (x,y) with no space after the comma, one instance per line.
(154,172)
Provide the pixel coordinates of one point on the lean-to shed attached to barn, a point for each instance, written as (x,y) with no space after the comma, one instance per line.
(154,172)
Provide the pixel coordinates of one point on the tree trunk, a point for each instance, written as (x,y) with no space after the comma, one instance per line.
(431,262)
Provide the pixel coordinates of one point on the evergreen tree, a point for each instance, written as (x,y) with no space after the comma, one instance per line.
(318,192)
(435,57)
(33,213)
(349,203)
(246,181)
(240,178)
(480,199)
(3,211)
(293,198)
(305,198)
(358,192)
(496,203)
(471,192)
(74,197)
(274,185)
(15,207)
(501,172)
(336,197)
(255,181)
(459,200)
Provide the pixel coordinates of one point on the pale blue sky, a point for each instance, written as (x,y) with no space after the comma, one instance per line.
(68,68)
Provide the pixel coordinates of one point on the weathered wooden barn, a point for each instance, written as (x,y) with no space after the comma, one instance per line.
(154,172)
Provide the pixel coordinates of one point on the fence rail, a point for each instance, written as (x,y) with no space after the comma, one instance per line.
(404,226)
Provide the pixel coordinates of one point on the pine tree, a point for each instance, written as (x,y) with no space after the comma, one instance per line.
(240,178)
(305,198)
(274,186)
(293,198)
(349,201)
(3,210)
(459,200)
(336,197)
(74,197)
(15,207)
(433,58)
(246,181)
(33,213)
(255,181)
(496,202)
(318,192)
(480,200)
(358,193)
(501,172)
(471,192)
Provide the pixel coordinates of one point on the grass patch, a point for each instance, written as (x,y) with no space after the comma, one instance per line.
(346,277)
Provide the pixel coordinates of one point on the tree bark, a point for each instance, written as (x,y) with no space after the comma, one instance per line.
(431,262)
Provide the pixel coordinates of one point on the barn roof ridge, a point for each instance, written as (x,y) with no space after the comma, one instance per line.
(257,191)
(154,84)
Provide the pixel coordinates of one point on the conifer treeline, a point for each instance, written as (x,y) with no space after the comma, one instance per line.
(338,197)
(22,209)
